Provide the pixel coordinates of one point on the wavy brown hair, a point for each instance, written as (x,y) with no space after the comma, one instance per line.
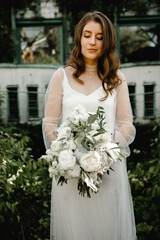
(108,63)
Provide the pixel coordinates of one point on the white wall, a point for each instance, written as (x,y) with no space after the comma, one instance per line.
(141,75)
(24,77)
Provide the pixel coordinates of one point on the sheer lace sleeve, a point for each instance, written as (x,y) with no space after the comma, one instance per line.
(53,107)
(124,131)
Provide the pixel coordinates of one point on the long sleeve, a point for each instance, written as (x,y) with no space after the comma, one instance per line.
(124,131)
(53,107)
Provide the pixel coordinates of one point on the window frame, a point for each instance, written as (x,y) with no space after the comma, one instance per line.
(135,21)
(47,22)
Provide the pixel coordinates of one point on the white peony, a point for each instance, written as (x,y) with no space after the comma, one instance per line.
(75,172)
(66,159)
(91,161)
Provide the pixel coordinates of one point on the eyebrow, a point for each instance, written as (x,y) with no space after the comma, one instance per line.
(91,32)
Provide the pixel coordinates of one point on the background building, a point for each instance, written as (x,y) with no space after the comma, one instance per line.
(43,37)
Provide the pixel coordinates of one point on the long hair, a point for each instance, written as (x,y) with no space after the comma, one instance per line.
(108,63)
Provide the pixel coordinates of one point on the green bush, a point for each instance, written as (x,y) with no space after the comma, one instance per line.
(145,178)
(25,185)
(24,191)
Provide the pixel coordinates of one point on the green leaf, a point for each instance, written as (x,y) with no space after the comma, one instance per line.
(8,205)
(82,149)
(92,118)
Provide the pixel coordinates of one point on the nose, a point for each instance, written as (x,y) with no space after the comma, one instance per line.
(92,40)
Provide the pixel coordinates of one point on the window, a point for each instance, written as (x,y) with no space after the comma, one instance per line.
(41,34)
(132,95)
(32,102)
(13,111)
(139,43)
(40,44)
(138,38)
(149,101)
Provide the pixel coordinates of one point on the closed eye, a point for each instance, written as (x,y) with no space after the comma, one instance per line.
(100,38)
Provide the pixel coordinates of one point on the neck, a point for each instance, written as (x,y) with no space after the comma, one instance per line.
(91,68)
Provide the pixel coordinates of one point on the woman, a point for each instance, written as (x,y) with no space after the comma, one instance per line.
(92,78)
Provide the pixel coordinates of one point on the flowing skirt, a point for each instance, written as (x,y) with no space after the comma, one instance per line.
(107,215)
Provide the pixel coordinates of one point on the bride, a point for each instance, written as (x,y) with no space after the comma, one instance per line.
(92,78)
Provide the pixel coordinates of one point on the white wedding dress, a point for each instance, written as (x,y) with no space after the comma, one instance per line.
(108,214)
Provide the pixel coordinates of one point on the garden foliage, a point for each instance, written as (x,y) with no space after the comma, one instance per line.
(24,191)
(25,185)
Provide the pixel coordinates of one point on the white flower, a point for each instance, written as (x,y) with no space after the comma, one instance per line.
(19,171)
(90,135)
(111,148)
(78,153)
(90,161)
(11,179)
(66,160)
(95,125)
(52,171)
(78,115)
(75,172)
(71,144)
(106,137)
(55,146)
(64,132)
(4,161)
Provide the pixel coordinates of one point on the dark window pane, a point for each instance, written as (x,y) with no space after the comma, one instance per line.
(13,103)
(132,98)
(139,43)
(149,101)
(32,102)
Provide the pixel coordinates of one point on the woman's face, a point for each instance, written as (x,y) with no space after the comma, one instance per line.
(92,42)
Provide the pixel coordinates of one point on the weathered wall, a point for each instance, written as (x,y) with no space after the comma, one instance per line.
(40,76)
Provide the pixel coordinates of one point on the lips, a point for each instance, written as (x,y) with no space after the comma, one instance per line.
(91,49)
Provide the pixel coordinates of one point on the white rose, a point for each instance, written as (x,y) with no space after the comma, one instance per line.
(90,161)
(66,160)
(75,172)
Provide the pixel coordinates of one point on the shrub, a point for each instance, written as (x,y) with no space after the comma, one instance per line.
(144,178)
(24,191)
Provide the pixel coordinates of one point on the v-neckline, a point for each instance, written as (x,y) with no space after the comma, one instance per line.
(82,94)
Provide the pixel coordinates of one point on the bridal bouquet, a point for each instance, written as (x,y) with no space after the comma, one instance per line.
(83,149)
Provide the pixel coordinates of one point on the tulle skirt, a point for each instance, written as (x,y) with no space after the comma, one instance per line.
(107,215)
